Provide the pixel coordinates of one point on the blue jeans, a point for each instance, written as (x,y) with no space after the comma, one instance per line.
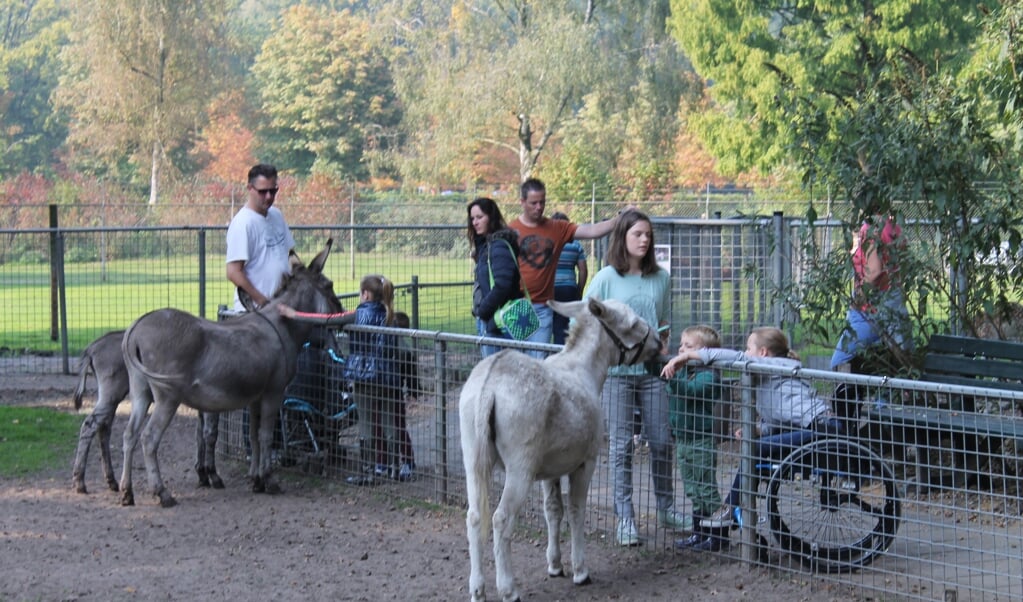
(481,329)
(864,328)
(776,447)
(621,396)
(542,334)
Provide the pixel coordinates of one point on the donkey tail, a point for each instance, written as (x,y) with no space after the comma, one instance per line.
(483,454)
(85,366)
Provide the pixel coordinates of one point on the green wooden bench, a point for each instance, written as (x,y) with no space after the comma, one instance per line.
(952,422)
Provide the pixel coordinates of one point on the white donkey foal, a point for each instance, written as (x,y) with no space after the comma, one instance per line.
(540,421)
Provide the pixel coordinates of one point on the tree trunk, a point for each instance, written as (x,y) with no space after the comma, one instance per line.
(154,175)
(526,159)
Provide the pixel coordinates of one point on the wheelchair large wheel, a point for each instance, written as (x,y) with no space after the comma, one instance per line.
(834,504)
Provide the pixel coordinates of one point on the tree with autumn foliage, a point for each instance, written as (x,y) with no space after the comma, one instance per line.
(139,76)
(226,147)
(326,93)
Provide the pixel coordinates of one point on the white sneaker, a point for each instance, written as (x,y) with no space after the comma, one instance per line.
(669,519)
(724,517)
(626,534)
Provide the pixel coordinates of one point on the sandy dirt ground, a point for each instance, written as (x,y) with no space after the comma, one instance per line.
(318,540)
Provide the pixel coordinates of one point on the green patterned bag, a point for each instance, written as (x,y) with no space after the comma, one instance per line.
(516,318)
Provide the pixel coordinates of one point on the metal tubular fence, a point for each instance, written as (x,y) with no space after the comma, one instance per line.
(958,530)
(65,287)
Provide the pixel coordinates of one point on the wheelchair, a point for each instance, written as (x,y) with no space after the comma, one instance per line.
(833,503)
(318,407)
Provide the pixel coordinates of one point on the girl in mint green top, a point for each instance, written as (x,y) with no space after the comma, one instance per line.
(633,277)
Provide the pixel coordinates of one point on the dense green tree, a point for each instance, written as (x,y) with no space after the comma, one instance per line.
(326,93)
(31,36)
(139,77)
(755,54)
(917,138)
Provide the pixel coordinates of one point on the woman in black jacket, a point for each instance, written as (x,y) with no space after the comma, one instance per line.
(495,250)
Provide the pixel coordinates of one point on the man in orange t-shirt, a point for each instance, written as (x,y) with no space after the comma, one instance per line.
(540,242)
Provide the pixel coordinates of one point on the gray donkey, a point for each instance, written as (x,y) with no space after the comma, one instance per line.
(174,357)
(104,359)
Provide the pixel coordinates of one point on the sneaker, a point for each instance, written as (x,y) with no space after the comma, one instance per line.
(626,534)
(669,519)
(405,473)
(361,480)
(380,470)
(689,542)
(711,544)
(724,517)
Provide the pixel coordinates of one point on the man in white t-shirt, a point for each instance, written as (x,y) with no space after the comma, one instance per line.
(258,240)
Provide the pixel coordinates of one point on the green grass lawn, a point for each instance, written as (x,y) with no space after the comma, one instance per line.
(109,296)
(35,439)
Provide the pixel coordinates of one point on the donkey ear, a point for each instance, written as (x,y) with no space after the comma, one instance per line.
(316,265)
(294,261)
(597,307)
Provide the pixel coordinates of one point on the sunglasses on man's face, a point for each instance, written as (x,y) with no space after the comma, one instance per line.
(266,191)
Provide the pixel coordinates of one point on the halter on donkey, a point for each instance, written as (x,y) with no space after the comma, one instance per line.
(540,421)
(174,357)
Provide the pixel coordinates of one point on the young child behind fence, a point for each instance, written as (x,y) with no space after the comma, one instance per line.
(373,371)
(692,395)
(408,390)
(789,410)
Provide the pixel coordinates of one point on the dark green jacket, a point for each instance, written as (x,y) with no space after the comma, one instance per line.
(692,394)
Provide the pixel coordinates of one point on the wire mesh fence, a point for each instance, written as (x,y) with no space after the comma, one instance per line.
(926,510)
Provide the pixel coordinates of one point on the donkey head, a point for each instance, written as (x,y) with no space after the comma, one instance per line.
(636,340)
(307,289)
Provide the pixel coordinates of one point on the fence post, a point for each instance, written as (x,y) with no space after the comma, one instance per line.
(441,419)
(54,306)
(415,302)
(747,493)
(778,265)
(202,272)
(62,298)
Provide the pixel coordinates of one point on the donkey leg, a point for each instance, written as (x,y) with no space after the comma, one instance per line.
(200,453)
(141,399)
(85,434)
(151,436)
(104,450)
(267,423)
(477,474)
(516,490)
(553,511)
(255,450)
(578,487)
(211,432)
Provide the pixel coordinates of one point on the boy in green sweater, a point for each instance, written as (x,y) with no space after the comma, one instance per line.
(692,394)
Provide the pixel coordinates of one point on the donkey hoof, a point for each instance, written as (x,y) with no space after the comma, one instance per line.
(583,579)
(555,571)
(166,499)
(79,487)
(128,498)
(258,485)
(112,485)
(215,481)
(204,480)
